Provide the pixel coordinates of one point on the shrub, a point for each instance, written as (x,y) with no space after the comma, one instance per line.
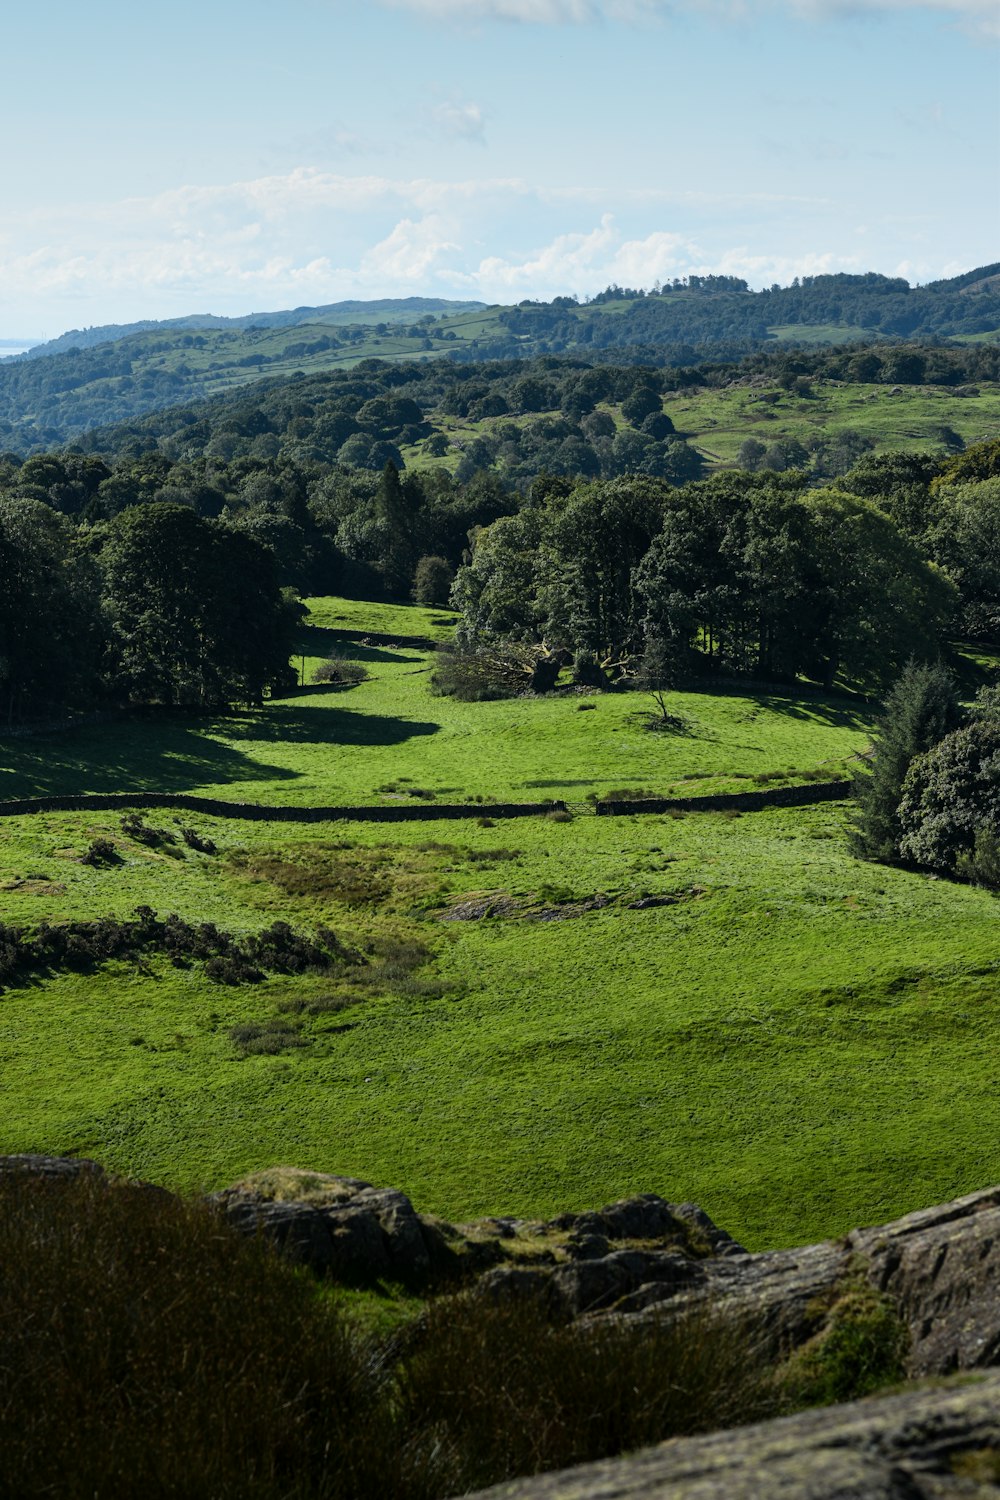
(147,1350)
(861,1346)
(339,671)
(195,841)
(134,826)
(919,711)
(100,852)
(227,959)
(951,800)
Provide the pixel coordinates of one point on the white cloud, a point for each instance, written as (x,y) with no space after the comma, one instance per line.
(982,16)
(464,121)
(310,237)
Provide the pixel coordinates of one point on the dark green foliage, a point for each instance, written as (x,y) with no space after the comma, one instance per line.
(196,614)
(921,710)
(949,813)
(100,852)
(432,581)
(340,671)
(198,842)
(73,946)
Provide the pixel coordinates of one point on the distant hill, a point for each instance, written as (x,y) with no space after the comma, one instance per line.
(389,310)
(119,373)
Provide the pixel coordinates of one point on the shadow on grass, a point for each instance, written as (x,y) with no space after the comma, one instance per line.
(182,754)
(300,724)
(315,640)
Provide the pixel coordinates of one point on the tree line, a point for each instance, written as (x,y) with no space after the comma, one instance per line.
(744,574)
(156,606)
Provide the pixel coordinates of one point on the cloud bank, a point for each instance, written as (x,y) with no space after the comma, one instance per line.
(982,16)
(309,237)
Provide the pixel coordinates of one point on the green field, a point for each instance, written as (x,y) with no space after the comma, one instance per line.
(719,421)
(798,1041)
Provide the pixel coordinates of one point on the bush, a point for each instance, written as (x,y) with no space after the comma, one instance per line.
(100,852)
(197,842)
(919,711)
(949,813)
(340,671)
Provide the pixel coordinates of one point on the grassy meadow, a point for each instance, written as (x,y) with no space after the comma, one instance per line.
(796,1040)
(717,422)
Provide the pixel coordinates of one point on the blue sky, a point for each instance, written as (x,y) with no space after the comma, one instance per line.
(229,157)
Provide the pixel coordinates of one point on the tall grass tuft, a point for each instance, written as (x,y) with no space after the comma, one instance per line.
(146,1349)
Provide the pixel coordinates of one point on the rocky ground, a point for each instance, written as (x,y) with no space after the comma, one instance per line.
(936,1273)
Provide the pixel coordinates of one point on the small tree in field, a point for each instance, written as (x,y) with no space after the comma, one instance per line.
(920,710)
(659,673)
(432,581)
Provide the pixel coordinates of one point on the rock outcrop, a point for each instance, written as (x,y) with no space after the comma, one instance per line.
(938,1269)
(940,1444)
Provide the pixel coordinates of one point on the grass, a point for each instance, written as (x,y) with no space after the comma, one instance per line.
(391,736)
(798,1041)
(718,421)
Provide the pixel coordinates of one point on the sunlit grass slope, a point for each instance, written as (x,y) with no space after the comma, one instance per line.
(800,1042)
(392,734)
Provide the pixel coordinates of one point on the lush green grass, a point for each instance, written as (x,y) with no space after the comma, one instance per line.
(822,333)
(373,742)
(718,421)
(804,1043)
(383,619)
(799,1042)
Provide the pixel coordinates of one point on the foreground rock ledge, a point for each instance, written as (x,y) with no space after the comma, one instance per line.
(922,1445)
(638,1259)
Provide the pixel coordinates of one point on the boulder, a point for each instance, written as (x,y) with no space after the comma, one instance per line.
(926,1444)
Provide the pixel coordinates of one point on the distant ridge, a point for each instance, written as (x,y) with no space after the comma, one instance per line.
(387,310)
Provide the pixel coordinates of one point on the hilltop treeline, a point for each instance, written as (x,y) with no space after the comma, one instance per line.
(51,398)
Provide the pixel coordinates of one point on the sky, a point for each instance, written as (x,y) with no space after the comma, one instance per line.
(232,156)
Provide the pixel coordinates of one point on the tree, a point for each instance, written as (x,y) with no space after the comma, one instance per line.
(195,612)
(949,811)
(49,627)
(873,599)
(921,709)
(432,581)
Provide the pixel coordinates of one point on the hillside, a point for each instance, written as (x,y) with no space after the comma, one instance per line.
(814,409)
(107,375)
(389,310)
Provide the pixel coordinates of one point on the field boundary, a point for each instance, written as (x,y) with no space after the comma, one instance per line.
(423,812)
(779,796)
(419,812)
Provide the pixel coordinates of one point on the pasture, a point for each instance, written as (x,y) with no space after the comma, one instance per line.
(795,1040)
